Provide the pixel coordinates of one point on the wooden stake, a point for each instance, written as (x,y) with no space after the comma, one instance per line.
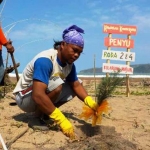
(127,75)
(5,74)
(3,143)
(17,137)
(94,77)
(15,67)
(108,48)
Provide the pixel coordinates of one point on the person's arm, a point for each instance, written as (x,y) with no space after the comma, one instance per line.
(42,72)
(80,90)
(46,106)
(83,95)
(3,39)
(10,48)
(41,98)
(5,42)
(75,84)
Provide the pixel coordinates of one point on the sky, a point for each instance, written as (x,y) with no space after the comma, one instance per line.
(33,25)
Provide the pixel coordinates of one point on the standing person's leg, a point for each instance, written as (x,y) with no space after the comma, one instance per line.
(1,67)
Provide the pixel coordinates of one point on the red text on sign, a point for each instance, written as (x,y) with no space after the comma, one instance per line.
(119,29)
(116,42)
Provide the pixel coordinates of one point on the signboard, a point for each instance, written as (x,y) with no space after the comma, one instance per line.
(117,42)
(112,68)
(119,29)
(118,55)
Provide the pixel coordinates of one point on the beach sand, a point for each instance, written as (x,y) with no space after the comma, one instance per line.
(126,127)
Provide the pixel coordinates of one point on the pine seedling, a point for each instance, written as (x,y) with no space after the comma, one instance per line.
(103,91)
(107,86)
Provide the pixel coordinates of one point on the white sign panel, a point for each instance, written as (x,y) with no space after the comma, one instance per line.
(118,55)
(112,68)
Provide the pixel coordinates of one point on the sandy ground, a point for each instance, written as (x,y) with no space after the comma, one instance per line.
(127,127)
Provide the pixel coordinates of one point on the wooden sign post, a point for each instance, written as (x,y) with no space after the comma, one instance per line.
(119,55)
(108,48)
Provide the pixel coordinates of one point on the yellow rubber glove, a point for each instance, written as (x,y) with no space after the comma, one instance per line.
(90,110)
(90,102)
(63,122)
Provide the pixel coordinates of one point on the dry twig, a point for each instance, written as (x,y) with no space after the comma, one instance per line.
(9,143)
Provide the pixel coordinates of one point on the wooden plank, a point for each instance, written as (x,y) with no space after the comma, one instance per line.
(119,29)
(119,42)
(112,68)
(118,55)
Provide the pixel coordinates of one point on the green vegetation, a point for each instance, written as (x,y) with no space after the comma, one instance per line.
(7,87)
(107,86)
(135,88)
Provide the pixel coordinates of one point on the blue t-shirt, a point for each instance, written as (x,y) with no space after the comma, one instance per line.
(43,68)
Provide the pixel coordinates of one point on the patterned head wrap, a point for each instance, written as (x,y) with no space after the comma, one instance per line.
(73,35)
